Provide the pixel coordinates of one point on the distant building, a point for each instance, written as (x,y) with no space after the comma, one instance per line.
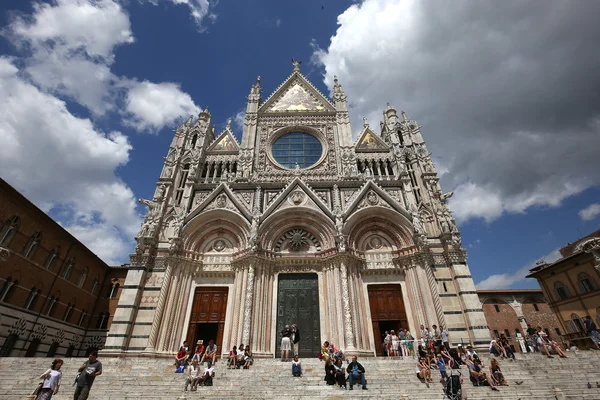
(57,298)
(509,311)
(571,284)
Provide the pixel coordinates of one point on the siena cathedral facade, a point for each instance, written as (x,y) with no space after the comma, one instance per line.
(296,224)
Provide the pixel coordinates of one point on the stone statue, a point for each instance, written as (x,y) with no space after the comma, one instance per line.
(443,222)
(339,224)
(416,220)
(365,122)
(253,239)
(152,208)
(161,191)
(228,127)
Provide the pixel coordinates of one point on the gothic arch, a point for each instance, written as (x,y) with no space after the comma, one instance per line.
(304,218)
(199,233)
(393,226)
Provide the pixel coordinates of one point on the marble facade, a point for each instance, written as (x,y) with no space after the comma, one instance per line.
(233,215)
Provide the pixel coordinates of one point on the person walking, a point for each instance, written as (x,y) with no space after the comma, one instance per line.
(286,344)
(88,372)
(296,339)
(592,331)
(52,378)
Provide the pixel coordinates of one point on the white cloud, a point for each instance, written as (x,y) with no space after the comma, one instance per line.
(590,212)
(200,10)
(507,280)
(62,162)
(151,106)
(492,86)
(70,46)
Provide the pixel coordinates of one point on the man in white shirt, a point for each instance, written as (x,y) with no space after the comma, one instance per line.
(207,377)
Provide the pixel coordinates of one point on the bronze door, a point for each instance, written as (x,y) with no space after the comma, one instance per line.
(387,311)
(208,315)
(298,303)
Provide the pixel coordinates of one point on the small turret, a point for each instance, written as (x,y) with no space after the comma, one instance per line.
(390,115)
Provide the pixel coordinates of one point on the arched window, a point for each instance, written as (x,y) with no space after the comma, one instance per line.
(586,283)
(9,230)
(7,289)
(181,185)
(68,312)
(562,292)
(9,344)
(33,295)
(194,140)
(100,321)
(413,180)
(52,259)
(105,321)
(83,276)
(575,324)
(70,351)
(69,269)
(114,290)
(50,306)
(32,245)
(52,349)
(81,318)
(95,286)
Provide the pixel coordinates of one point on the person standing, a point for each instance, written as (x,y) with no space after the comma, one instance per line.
(87,374)
(286,344)
(296,339)
(52,378)
(592,330)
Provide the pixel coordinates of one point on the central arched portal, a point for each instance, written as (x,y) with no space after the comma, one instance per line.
(387,311)
(298,303)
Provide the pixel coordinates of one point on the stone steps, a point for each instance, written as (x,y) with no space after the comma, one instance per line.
(154,378)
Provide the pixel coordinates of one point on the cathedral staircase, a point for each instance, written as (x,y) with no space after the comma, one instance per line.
(151,378)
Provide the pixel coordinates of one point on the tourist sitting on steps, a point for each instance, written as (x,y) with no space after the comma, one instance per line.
(496,348)
(296,366)
(356,372)
(423,370)
(324,356)
(506,346)
(210,354)
(199,351)
(340,373)
(232,360)
(248,360)
(545,344)
(496,373)
(180,357)
(207,376)
(193,374)
(477,376)
(329,372)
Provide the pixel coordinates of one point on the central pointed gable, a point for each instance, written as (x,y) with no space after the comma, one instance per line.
(370,141)
(224,144)
(222,197)
(299,185)
(296,95)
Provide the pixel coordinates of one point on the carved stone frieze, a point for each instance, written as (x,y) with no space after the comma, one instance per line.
(18,327)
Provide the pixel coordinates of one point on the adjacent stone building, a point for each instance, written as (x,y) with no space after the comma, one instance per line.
(297,223)
(509,311)
(571,284)
(57,298)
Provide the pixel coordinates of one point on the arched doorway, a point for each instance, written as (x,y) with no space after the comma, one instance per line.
(387,311)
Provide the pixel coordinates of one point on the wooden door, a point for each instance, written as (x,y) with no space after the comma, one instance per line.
(387,308)
(209,307)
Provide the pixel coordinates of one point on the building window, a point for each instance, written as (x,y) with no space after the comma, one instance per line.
(68,312)
(7,289)
(52,259)
(33,346)
(194,140)
(297,149)
(496,333)
(100,321)
(105,321)
(577,323)
(32,245)
(535,307)
(9,230)
(586,284)
(81,318)
(30,302)
(50,306)
(562,292)
(83,276)
(445,287)
(114,289)
(8,345)
(69,269)
(52,349)
(95,286)
(181,185)
(507,333)
(70,351)
(496,308)
(413,180)
(547,332)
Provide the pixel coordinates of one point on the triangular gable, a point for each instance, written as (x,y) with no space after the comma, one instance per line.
(225,143)
(372,195)
(221,197)
(296,184)
(297,94)
(370,141)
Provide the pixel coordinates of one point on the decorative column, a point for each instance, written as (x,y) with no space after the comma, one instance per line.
(348,332)
(415,296)
(158,313)
(248,304)
(435,296)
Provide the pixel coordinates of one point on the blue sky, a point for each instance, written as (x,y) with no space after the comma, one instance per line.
(94,89)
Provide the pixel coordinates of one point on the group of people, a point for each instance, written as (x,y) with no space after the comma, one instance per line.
(193,360)
(335,373)
(51,379)
(240,357)
(539,340)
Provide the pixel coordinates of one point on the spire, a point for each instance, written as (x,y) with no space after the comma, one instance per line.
(338,92)
(254,96)
(204,115)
